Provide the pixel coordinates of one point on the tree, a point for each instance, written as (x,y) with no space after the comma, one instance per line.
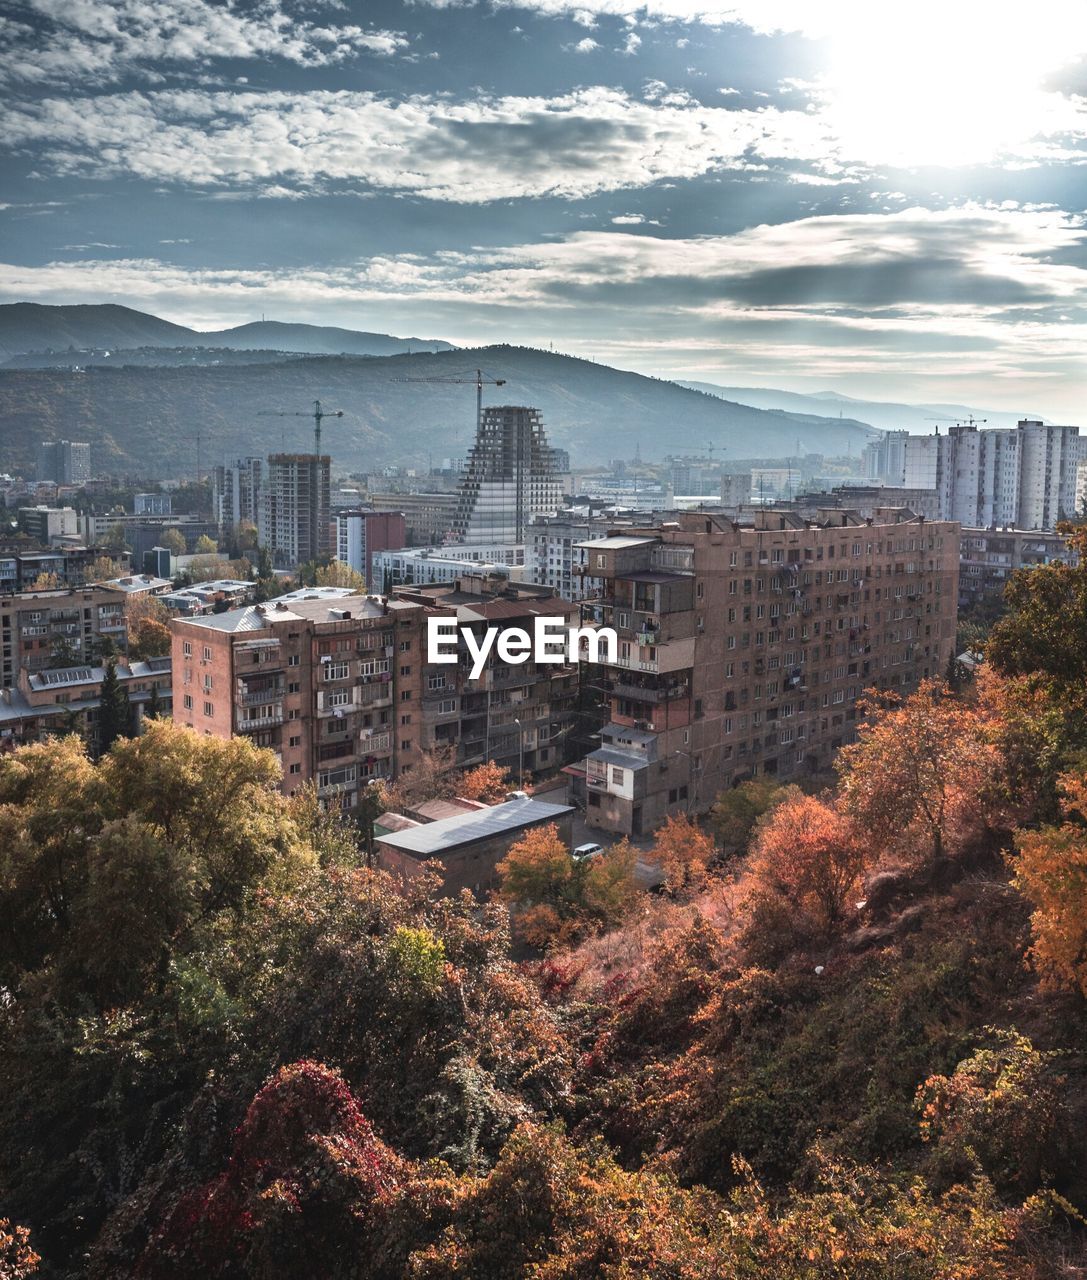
(807,856)
(339,574)
(736,811)
(114,710)
(208,568)
(115,539)
(206,546)
(683,851)
(17,1259)
(488,783)
(150,639)
(1051,871)
(915,770)
(45,582)
(103,569)
(174,542)
(559,898)
(154,704)
(433,777)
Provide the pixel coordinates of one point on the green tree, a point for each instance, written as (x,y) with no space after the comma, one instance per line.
(339,574)
(205,546)
(737,811)
(114,710)
(174,542)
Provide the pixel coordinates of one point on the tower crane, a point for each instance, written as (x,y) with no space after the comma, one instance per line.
(479,381)
(968,421)
(316,413)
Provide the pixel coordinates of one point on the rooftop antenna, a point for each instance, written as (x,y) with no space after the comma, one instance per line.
(317,414)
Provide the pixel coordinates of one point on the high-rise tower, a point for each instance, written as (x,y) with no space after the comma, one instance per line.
(295,522)
(512,475)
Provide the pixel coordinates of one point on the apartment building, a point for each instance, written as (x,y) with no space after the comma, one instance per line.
(332,686)
(361,532)
(556,551)
(428,517)
(407,566)
(743,649)
(48,525)
(38,628)
(520,715)
(511,476)
(236,492)
(60,700)
(295,508)
(989,557)
(1023,476)
(64,461)
(144,533)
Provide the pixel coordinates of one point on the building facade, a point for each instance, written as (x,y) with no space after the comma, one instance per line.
(743,649)
(409,566)
(361,532)
(556,551)
(511,476)
(39,629)
(295,508)
(332,686)
(236,492)
(428,517)
(64,461)
(989,557)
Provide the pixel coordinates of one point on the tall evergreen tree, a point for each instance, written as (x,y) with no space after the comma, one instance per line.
(114,711)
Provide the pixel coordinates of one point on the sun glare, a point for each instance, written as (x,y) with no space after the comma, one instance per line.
(953,83)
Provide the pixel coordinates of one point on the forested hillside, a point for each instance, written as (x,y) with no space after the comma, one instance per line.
(147,419)
(846,1040)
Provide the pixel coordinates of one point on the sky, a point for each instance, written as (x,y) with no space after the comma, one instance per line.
(885,201)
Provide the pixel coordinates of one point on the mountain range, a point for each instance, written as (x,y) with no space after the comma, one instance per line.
(27,327)
(921,419)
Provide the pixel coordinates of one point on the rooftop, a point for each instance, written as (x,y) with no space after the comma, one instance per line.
(435,838)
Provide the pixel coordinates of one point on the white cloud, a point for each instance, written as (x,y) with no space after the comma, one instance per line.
(99,40)
(594,139)
(583,46)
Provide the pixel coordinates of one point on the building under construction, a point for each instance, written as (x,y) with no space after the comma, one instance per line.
(511,476)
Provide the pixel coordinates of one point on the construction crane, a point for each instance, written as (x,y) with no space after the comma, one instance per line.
(968,421)
(479,381)
(317,414)
(708,447)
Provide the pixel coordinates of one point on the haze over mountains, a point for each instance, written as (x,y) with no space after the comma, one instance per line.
(146,419)
(31,327)
(885,414)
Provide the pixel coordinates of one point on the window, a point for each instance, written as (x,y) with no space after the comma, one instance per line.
(186,649)
(447,706)
(405,671)
(405,646)
(295,768)
(188,702)
(405,695)
(338,698)
(207,653)
(405,744)
(208,682)
(617,775)
(209,710)
(293,660)
(406,719)
(295,741)
(435,682)
(335,670)
(295,686)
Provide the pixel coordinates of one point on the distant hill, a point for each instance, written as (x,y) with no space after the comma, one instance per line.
(884,414)
(32,327)
(146,419)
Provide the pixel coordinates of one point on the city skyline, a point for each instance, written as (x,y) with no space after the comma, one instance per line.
(813,197)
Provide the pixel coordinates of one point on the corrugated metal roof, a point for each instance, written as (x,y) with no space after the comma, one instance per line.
(436,838)
(606,756)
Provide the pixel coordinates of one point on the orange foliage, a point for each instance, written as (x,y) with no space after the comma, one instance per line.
(17,1258)
(912,778)
(808,854)
(684,853)
(1052,872)
(487,783)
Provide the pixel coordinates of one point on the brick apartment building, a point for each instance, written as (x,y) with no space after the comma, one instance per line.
(38,628)
(743,649)
(331,685)
(517,714)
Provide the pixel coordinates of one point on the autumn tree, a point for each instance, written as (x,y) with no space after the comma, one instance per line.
(208,568)
(557,897)
(1051,870)
(915,769)
(17,1259)
(115,540)
(103,569)
(489,783)
(147,619)
(433,776)
(205,546)
(45,581)
(683,852)
(339,574)
(174,542)
(807,858)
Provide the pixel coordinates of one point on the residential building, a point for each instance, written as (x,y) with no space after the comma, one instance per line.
(1024,476)
(48,525)
(518,714)
(736,489)
(64,461)
(469,846)
(207,597)
(510,477)
(864,500)
(410,565)
(40,628)
(331,686)
(742,650)
(988,558)
(295,510)
(143,533)
(428,517)
(62,700)
(556,550)
(236,493)
(885,459)
(60,566)
(360,532)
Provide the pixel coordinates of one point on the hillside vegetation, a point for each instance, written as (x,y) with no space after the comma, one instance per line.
(146,419)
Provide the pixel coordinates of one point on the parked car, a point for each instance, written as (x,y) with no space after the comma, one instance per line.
(585,851)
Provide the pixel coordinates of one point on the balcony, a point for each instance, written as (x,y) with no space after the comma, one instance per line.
(648,693)
(254,697)
(375,743)
(269,716)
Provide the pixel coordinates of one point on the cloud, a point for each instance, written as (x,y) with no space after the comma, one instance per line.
(583,46)
(97,41)
(591,140)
